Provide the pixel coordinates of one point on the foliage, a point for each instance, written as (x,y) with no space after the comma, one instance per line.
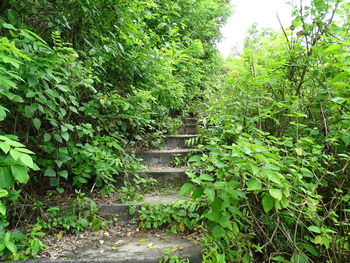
(168,258)
(82,81)
(273,165)
(15,163)
(79,215)
(180,215)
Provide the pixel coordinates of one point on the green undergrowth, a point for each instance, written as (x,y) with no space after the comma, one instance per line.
(81,83)
(270,178)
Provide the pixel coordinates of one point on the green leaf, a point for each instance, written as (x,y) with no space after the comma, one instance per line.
(210,193)
(225,222)
(218,232)
(186,188)
(12,61)
(299,258)
(65,135)
(216,204)
(195,158)
(37,123)
(30,110)
(276,193)
(27,160)
(15,154)
(5,147)
(32,81)
(63,174)
(47,137)
(84,222)
(314,229)
(12,247)
(6,178)
(24,150)
(197,193)
(206,177)
(272,175)
(50,172)
(11,142)
(3,113)
(57,137)
(8,26)
(254,184)
(268,202)
(20,173)
(3,193)
(310,249)
(2,209)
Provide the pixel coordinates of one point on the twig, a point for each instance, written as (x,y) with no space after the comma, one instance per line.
(284,32)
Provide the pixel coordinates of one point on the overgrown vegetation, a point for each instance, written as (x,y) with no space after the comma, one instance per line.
(83,81)
(274,171)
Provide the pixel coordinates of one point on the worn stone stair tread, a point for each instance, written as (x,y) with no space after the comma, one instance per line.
(178,141)
(161,199)
(173,151)
(182,136)
(162,157)
(120,250)
(163,170)
(166,174)
(122,210)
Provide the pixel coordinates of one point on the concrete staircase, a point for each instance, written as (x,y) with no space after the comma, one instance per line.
(160,162)
(160,166)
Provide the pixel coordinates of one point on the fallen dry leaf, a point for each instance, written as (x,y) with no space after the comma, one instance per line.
(59,235)
(120,241)
(151,245)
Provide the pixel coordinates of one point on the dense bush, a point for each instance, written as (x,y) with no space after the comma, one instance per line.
(81,81)
(274,169)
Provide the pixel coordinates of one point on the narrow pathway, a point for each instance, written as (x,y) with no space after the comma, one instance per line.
(147,247)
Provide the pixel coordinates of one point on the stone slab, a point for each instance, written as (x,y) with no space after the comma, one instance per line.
(122,210)
(125,250)
(189,121)
(161,157)
(177,141)
(166,174)
(188,129)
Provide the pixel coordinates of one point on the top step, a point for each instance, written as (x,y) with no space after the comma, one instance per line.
(191,121)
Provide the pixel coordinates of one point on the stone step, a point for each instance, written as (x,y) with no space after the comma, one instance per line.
(142,248)
(161,158)
(188,129)
(166,174)
(122,211)
(177,141)
(191,121)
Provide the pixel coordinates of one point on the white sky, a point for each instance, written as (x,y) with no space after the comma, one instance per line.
(247,12)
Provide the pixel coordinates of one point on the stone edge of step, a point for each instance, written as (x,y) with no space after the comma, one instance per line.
(166,151)
(163,170)
(181,136)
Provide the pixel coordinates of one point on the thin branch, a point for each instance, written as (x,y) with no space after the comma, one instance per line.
(284,32)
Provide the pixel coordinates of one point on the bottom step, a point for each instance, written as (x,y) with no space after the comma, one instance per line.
(146,248)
